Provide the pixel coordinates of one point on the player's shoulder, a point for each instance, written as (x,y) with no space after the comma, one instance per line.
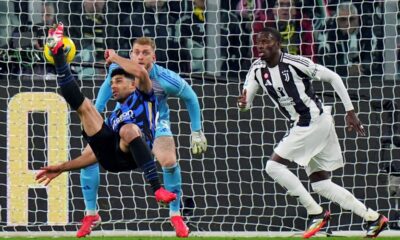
(258,63)
(166,74)
(296,60)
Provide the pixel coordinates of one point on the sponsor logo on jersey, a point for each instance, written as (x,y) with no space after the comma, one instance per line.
(286,101)
(123,117)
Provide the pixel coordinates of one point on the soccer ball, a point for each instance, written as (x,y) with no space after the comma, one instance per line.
(69,50)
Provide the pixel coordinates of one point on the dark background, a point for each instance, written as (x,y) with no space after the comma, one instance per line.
(228,184)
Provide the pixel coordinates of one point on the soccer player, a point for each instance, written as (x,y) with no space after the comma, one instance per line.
(311,140)
(123,141)
(166,83)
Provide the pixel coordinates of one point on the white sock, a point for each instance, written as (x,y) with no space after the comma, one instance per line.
(344,198)
(172,213)
(282,175)
(91,212)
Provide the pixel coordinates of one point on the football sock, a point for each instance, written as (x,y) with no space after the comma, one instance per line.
(144,159)
(282,175)
(90,178)
(173,183)
(344,198)
(69,88)
(90,212)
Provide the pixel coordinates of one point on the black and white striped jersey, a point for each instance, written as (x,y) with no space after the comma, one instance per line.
(289,85)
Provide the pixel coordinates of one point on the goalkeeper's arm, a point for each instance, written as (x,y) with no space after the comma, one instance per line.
(105,92)
(197,139)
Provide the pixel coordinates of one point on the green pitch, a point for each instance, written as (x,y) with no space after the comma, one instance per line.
(194,238)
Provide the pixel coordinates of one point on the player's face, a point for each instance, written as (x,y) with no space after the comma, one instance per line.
(143,54)
(267,46)
(122,87)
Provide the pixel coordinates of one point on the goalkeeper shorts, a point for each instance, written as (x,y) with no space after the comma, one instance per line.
(316,147)
(163,129)
(105,145)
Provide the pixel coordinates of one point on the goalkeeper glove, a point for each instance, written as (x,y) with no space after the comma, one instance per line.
(198,142)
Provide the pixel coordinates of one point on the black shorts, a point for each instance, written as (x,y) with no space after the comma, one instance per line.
(105,145)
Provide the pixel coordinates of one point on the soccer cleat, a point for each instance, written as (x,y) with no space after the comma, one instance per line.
(316,223)
(180,227)
(377,226)
(88,224)
(54,39)
(163,196)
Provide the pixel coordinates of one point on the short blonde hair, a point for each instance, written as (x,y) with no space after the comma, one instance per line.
(145,41)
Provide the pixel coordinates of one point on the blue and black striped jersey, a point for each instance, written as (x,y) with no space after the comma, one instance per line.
(140,109)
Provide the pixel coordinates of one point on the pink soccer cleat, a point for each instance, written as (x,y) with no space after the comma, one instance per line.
(163,196)
(88,224)
(54,39)
(180,227)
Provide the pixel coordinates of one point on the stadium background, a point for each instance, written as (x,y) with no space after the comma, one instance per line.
(228,184)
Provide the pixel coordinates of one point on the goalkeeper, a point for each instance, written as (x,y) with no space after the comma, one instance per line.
(123,141)
(311,141)
(166,83)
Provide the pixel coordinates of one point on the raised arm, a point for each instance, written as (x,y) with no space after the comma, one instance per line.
(132,67)
(105,92)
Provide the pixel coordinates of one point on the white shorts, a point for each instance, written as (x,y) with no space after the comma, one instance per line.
(315,147)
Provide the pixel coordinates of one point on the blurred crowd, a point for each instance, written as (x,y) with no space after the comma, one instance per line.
(346,36)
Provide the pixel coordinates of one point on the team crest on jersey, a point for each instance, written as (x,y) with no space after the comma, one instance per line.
(285,73)
(266,80)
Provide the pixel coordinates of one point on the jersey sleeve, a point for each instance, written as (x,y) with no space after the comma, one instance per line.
(304,64)
(176,86)
(251,86)
(320,73)
(105,92)
(326,75)
(192,105)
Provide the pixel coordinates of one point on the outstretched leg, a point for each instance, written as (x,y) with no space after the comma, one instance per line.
(89,116)
(322,184)
(91,121)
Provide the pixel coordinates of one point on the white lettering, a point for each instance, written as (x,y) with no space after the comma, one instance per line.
(123,117)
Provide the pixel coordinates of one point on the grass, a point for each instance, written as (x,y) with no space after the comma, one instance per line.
(194,238)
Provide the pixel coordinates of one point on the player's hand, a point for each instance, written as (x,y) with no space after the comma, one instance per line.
(198,142)
(109,55)
(353,122)
(242,102)
(47,174)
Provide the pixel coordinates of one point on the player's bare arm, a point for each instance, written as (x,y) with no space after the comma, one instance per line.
(47,174)
(132,67)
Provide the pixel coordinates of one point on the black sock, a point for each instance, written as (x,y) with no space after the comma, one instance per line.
(69,88)
(144,159)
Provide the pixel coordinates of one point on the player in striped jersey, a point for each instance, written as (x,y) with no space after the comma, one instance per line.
(166,83)
(123,141)
(311,140)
